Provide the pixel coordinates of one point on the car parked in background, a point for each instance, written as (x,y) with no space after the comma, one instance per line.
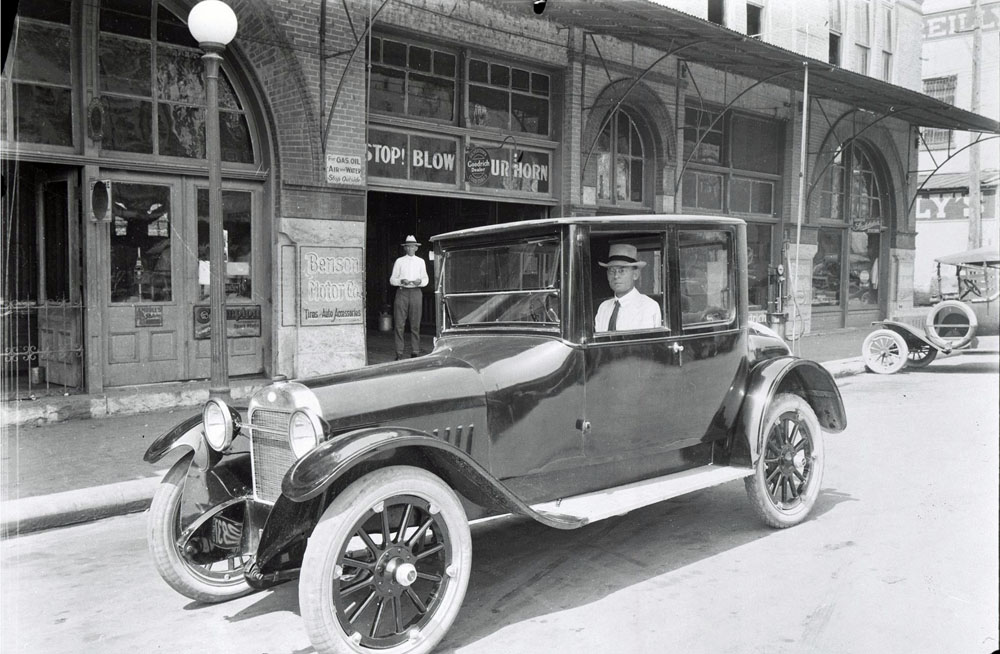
(362,484)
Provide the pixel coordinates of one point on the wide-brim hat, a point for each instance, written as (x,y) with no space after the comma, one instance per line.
(410,240)
(623,254)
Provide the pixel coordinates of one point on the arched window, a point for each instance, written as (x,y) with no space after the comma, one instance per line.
(854,212)
(620,161)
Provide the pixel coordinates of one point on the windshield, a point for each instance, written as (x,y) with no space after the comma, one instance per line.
(502,284)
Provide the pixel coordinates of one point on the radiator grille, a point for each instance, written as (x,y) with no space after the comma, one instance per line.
(272,455)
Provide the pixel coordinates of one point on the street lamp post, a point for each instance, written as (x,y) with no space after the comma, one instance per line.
(213,24)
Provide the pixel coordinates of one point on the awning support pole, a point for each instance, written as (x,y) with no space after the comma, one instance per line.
(800,213)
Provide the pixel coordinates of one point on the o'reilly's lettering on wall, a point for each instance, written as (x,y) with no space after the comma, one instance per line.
(330,285)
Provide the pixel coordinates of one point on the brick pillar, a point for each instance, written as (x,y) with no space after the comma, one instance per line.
(900,286)
(799,307)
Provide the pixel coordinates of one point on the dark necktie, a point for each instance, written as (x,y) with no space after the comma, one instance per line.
(613,323)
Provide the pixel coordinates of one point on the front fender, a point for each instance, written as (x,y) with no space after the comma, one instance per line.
(316,471)
(793,375)
(186,434)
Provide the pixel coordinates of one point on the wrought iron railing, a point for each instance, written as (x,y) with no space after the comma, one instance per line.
(42,348)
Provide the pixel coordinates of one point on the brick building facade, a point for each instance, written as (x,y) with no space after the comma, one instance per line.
(339,141)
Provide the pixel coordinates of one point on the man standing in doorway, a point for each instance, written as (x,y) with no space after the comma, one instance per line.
(409,275)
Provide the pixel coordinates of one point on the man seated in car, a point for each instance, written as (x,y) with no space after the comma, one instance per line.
(628,309)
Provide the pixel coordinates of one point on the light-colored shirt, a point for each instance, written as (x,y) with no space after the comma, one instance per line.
(637,312)
(409,267)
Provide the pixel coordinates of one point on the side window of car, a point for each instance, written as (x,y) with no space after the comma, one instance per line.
(707,286)
(629,267)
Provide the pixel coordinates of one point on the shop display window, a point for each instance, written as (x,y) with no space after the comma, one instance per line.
(620,142)
(826,268)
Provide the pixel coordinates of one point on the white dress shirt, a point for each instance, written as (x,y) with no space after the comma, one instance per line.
(637,312)
(410,267)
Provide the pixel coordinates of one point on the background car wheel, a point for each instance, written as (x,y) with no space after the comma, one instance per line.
(884,351)
(789,471)
(951,324)
(215,578)
(921,356)
(387,565)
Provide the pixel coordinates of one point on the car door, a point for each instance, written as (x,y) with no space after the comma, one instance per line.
(656,398)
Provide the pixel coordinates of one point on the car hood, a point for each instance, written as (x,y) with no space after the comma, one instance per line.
(457,376)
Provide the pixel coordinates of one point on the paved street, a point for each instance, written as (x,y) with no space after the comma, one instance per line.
(900,555)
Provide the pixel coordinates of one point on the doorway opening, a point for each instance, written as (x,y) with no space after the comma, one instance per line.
(394,216)
(41,296)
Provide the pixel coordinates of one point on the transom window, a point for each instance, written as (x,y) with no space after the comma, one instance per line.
(733,162)
(41,90)
(412,80)
(152,87)
(508,98)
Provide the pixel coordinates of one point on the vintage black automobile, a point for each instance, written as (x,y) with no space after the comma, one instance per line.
(362,484)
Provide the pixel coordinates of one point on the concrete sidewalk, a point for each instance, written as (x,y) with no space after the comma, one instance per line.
(62,473)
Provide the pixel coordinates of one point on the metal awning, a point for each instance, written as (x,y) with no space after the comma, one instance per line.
(956,181)
(645,23)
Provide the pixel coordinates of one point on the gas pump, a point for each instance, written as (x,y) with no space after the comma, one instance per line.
(776,315)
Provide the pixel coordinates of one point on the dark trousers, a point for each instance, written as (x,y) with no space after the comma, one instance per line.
(409,304)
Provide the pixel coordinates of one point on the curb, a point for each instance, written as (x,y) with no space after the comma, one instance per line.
(31,514)
(71,507)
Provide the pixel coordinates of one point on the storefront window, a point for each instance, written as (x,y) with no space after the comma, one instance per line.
(826,268)
(166,100)
(412,80)
(853,206)
(620,161)
(508,98)
(140,243)
(237,228)
(41,93)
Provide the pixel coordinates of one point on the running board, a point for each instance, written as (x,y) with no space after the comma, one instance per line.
(599,505)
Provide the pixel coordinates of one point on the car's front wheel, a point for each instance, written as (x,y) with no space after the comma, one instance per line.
(789,471)
(387,565)
(209,565)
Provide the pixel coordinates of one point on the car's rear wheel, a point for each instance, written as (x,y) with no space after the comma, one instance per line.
(921,356)
(789,470)
(884,351)
(209,565)
(387,565)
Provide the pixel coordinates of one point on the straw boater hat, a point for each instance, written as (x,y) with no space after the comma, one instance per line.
(410,240)
(622,254)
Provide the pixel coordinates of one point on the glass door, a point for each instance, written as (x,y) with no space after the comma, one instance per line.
(246,297)
(143,300)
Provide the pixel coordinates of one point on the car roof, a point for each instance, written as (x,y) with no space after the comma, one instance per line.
(647,219)
(986,255)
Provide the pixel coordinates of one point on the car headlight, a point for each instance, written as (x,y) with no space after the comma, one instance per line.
(304,430)
(220,425)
